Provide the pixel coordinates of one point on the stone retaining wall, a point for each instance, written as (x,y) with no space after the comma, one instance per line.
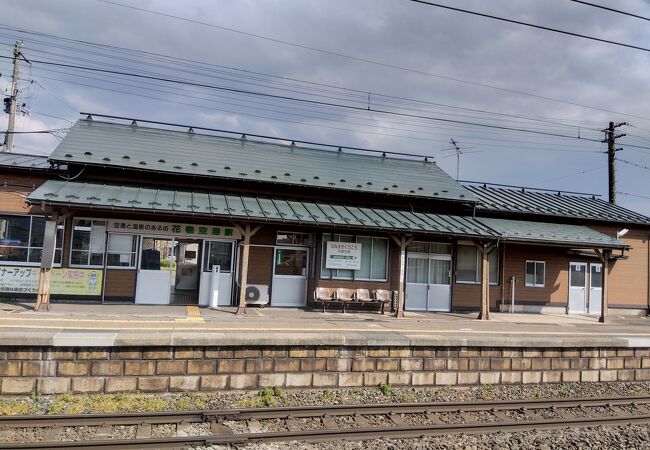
(55,370)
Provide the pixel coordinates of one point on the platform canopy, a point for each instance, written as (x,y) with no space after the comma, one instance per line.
(270,209)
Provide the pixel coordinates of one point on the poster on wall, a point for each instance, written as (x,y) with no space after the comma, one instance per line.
(343,255)
(24,280)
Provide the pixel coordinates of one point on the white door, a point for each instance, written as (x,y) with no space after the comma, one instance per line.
(439,295)
(219,253)
(428,280)
(289,277)
(577,287)
(156,267)
(417,282)
(595,288)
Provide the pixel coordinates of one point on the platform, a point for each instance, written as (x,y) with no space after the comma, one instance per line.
(135,325)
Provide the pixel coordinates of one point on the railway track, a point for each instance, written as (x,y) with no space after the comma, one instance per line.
(312,423)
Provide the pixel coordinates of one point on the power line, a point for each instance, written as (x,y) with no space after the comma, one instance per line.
(630,163)
(633,195)
(302,100)
(611,9)
(367,60)
(519,22)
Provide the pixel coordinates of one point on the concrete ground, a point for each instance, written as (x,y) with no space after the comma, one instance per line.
(69,324)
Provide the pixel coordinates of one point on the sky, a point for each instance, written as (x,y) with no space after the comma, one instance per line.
(525,106)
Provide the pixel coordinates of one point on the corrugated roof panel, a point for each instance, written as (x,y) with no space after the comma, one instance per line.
(575,235)
(236,206)
(163,150)
(551,204)
(24,161)
(305,212)
(218,205)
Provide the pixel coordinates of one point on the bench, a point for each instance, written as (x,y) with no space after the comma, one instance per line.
(346,297)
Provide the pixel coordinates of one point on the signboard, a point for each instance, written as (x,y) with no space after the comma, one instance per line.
(172,229)
(343,255)
(24,280)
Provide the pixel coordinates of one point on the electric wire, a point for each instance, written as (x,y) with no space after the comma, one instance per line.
(519,22)
(369,61)
(606,8)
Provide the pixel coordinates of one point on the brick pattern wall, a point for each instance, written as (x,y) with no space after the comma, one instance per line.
(167,369)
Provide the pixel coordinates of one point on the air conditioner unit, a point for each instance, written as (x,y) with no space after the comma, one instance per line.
(257,294)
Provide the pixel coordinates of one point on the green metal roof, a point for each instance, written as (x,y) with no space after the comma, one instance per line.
(184,152)
(555,233)
(523,201)
(237,207)
(24,161)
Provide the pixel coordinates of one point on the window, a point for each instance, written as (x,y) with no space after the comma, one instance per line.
(21,240)
(468,265)
(219,254)
(535,273)
(88,241)
(121,250)
(374,259)
(291,238)
(289,261)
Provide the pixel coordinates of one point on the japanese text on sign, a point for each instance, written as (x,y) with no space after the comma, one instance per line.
(171,229)
(343,255)
(24,280)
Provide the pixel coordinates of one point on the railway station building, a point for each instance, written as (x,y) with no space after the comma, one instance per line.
(127,211)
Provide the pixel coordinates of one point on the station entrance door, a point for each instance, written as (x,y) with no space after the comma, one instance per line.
(428,277)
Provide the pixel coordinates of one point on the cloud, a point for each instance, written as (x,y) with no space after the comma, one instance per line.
(399,33)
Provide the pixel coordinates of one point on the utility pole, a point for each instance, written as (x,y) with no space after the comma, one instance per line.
(10,102)
(610,138)
(458,153)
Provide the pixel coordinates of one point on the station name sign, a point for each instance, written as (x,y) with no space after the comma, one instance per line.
(172,229)
(343,255)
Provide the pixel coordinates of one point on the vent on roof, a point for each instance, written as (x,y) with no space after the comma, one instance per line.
(106,159)
(369,183)
(287,174)
(243,174)
(385,189)
(342,180)
(212,171)
(411,191)
(162,161)
(226,167)
(88,153)
(142,163)
(359,186)
(420,188)
(273,177)
(258,171)
(194,164)
(303,179)
(331,183)
(126,157)
(316,177)
(178,167)
(68,155)
(394,185)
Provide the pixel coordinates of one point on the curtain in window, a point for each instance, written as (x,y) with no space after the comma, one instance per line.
(439,271)
(467,264)
(417,270)
(379,258)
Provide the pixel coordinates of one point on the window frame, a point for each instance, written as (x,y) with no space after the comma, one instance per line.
(479,267)
(233,255)
(89,266)
(477,274)
(135,253)
(283,244)
(534,283)
(355,238)
(29,247)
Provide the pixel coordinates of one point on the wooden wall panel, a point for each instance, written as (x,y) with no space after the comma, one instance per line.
(260,265)
(120,284)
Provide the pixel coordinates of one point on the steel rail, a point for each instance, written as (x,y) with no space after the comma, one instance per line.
(197,416)
(360,431)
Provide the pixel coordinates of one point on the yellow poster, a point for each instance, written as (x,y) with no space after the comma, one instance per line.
(24,280)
